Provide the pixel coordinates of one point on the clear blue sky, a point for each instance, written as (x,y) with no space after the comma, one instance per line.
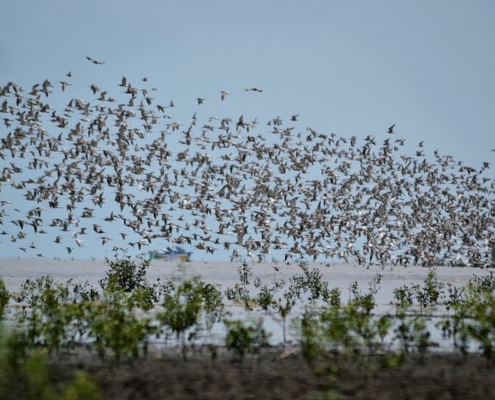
(349,67)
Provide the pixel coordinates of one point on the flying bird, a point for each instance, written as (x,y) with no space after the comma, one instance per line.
(104,239)
(103,146)
(95,61)
(224,94)
(255,89)
(64,85)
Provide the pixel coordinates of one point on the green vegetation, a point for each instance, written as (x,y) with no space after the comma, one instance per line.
(181,309)
(124,274)
(4,297)
(121,319)
(114,325)
(24,372)
(245,337)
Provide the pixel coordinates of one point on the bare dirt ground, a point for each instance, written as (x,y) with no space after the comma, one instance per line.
(275,373)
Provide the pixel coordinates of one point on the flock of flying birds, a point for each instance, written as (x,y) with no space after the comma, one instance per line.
(253,189)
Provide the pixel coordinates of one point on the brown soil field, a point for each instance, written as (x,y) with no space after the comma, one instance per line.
(274,373)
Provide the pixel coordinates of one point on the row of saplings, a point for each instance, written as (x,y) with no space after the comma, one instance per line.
(120,321)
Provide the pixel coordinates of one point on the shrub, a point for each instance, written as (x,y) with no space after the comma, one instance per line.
(412,332)
(284,312)
(124,274)
(310,282)
(403,297)
(56,315)
(25,375)
(143,297)
(245,337)
(240,294)
(212,304)
(82,387)
(479,325)
(431,291)
(332,297)
(4,297)
(113,326)
(182,308)
(265,298)
(341,332)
